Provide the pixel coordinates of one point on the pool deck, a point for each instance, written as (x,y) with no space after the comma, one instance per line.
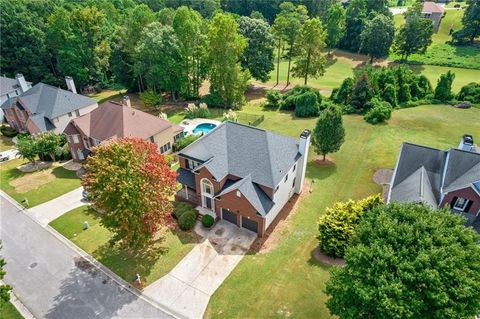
(189,125)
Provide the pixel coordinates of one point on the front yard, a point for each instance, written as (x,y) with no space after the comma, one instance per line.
(8,311)
(150,265)
(38,187)
(287,281)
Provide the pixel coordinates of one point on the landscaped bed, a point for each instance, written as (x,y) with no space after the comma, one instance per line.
(287,281)
(150,264)
(38,187)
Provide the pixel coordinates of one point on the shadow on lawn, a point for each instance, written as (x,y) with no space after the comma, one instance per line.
(63,173)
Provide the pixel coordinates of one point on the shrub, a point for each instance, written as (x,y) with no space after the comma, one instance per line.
(443,91)
(379,112)
(307,105)
(187,220)
(151,98)
(184,142)
(179,208)
(344,94)
(207,221)
(470,93)
(230,116)
(289,99)
(362,93)
(192,111)
(390,94)
(339,222)
(273,98)
(8,131)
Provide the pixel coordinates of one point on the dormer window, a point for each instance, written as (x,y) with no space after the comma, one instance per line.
(461,204)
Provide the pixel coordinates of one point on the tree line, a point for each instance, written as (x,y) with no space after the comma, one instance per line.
(175,45)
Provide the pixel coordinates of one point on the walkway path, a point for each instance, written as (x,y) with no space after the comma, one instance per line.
(46,212)
(188,287)
(55,280)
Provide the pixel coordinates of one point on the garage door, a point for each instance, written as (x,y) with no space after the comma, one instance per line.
(249,224)
(229,216)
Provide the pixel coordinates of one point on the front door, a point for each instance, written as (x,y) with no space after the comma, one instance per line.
(207,202)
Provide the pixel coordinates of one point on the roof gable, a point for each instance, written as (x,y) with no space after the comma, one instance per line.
(462,169)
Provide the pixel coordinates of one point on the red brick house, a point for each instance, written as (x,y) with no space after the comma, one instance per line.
(118,120)
(242,174)
(439,178)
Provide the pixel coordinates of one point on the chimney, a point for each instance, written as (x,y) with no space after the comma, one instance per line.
(21,82)
(70,84)
(466,143)
(126,101)
(303,146)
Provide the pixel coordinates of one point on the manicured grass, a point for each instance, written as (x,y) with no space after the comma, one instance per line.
(62,182)
(287,281)
(8,311)
(150,265)
(462,76)
(5,143)
(107,95)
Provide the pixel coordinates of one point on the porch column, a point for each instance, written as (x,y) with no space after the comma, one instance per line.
(186,192)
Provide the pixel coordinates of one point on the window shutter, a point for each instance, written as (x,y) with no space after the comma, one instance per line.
(454,200)
(467,208)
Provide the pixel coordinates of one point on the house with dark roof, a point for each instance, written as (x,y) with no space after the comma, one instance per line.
(242,174)
(11,88)
(433,12)
(439,178)
(46,108)
(112,120)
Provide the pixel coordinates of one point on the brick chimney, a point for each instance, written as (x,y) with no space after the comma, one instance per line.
(70,84)
(22,83)
(303,146)
(126,101)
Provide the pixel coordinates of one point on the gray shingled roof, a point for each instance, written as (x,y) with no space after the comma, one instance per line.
(186,177)
(42,122)
(8,85)
(252,192)
(52,101)
(241,150)
(463,169)
(416,186)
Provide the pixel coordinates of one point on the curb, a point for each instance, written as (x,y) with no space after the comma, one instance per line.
(21,308)
(121,282)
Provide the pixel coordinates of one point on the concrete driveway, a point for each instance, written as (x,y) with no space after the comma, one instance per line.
(46,212)
(189,286)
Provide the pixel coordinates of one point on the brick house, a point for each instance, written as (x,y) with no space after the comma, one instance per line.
(46,108)
(243,174)
(440,178)
(118,120)
(12,87)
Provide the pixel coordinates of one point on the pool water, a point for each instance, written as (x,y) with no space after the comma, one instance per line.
(204,128)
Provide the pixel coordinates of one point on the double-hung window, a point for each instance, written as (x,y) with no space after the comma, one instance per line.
(461,204)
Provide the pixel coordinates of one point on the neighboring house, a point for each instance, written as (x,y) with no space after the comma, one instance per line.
(11,88)
(113,120)
(439,178)
(46,108)
(243,174)
(434,12)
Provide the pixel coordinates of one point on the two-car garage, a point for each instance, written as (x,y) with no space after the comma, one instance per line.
(245,222)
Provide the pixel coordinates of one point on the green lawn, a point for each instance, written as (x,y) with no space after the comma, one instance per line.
(5,143)
(38,187)
(8,311)
(287,282)
(150,265)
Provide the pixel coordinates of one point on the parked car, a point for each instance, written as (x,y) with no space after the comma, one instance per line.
(4,157)
(8,156)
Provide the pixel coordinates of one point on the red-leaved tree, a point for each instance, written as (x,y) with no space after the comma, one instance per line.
(131,186)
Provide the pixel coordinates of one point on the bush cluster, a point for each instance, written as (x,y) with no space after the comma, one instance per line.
(230,115)
(338,224)
(151,98)
(8,131)
(470,93)
(192,111)
(185,214)
(48,146)
(304,100)
(183,142)
(378,111)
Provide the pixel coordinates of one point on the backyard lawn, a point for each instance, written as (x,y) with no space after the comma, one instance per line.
(150,265)
(8,311)
(38,187)
(5,143)
(286,281)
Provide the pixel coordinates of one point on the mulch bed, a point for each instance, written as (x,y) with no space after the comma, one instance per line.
(326,260)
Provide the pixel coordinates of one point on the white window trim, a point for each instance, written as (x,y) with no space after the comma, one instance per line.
(461,207)
(75,139)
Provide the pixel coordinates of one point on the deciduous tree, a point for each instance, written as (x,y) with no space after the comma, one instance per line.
(408,261)
(377,36)
(470,24)
(334,21)
(355,17)
(329,134)
(443,91)
(131,185)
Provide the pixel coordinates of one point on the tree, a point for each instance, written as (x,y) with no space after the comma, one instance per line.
(49,144)
(159,59)
(355,17)
(130,184)
(4,289)
(339,222)
(377,36)
(470,23)
(362,92)
(329,134)
(334,22)
(307,105)
(27,147)
(470,92)
(310,59)
(443,91)
(408,261)
(344,94)
(287,26)
(320,8)
(224,50)
(258,55)
(187,24)
(415,35)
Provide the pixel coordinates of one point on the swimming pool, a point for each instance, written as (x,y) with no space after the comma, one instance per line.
(204,128)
